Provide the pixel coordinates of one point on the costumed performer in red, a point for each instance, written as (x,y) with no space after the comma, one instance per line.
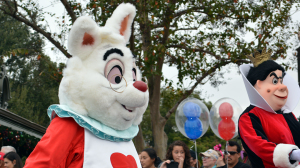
(102,99)
(269,131)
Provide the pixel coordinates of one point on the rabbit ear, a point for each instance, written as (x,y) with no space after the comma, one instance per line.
(121,20)
(83,37)
(85,34)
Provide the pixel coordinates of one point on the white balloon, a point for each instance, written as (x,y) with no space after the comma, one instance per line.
(214,115)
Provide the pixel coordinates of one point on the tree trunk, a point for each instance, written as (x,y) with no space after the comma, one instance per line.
(160,138)
(139,141)
(158,122)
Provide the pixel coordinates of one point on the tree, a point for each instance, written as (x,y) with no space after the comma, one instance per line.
(34,86)
(197,37)
(34,79)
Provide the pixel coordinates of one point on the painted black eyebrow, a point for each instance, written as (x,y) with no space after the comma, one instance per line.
(113,50)
(275,75)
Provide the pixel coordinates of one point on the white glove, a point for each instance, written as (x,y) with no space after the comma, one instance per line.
(295,155)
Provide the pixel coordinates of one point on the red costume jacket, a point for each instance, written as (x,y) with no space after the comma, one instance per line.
(59,147)
(265,136)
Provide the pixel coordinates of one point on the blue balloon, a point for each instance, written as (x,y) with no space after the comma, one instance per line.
(193,127)
(191,118)
(191,109)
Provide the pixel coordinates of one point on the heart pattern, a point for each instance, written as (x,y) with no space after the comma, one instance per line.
(119,160)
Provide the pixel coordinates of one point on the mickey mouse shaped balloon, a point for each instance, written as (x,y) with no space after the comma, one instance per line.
(192,118)
(193,125)
(223,118)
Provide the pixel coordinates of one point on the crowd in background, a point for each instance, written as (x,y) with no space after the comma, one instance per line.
(180,156)
(9,158)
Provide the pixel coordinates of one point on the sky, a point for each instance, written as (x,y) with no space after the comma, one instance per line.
(234,87)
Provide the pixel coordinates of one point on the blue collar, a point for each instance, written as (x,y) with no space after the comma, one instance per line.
(98,129)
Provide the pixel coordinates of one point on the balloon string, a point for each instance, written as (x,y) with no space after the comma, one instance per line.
(227,153)
(196,153)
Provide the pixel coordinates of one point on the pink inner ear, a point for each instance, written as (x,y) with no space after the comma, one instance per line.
(88,39)
(124,25)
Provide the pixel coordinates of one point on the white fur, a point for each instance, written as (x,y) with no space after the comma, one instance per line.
(113,22)
(281,156)
(81,26)
(85,88)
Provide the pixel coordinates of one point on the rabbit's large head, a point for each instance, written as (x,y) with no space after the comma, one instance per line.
(101,79)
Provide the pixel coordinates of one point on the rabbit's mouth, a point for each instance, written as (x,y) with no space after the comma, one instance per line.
(130,109)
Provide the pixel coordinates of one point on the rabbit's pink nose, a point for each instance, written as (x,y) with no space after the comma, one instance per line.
(142,86)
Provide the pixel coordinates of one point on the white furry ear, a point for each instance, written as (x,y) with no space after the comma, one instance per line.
(83,37)
(121,20)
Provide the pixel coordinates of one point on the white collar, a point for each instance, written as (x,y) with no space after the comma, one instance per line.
(256,99)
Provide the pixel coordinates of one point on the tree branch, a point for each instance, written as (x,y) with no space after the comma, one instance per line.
(9,7)
(38,29)
(157,25)
(192,28)
(209,72)
(182,12)
(16,7)
(69,10)
(194,49)
(167,21)
(172,57)
(177,16)
(189,92)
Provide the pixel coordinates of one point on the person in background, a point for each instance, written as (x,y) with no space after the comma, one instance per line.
(220,161)
(2,159)
(158,161)
(232,154)
(6,149)
(149,158)
(209,158)
(12,160)
(178,154)
(244,157)
(194,160)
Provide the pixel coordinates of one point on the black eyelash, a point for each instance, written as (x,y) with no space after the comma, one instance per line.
(134,70)
(117,66)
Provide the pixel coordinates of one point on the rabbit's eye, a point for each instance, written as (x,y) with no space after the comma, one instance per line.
(134,74)
(114,70)
(115,75)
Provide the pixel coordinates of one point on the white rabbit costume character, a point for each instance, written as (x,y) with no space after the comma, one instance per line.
(102,99)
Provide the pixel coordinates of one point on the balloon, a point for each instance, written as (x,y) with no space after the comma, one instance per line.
(191,109)
(226,129)
(192,126)
(223,118)
(191,118)
(226,111)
